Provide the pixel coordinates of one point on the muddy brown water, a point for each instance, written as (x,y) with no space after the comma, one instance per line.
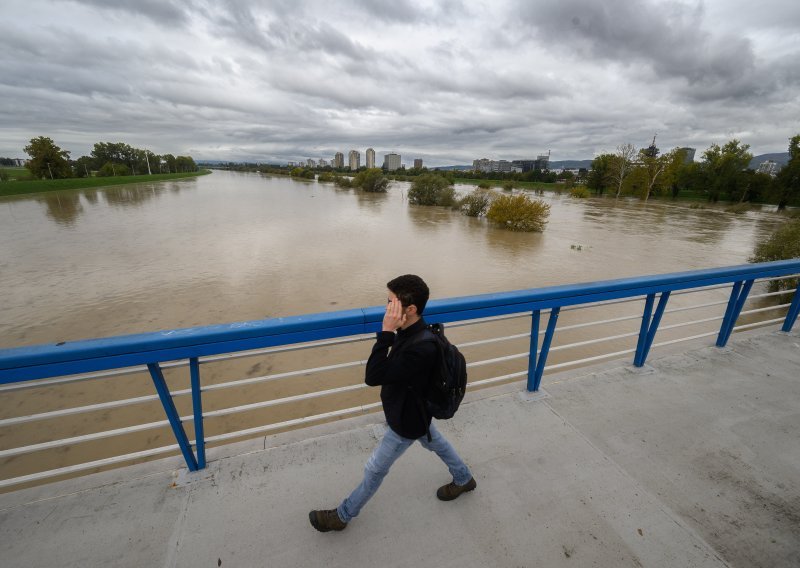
(235,246)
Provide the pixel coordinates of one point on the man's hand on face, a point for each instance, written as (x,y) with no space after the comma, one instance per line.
(394,318)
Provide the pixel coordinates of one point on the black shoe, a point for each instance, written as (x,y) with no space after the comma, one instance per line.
(325,521)
(451,490)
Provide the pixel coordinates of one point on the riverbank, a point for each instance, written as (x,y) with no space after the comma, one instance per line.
(39,186)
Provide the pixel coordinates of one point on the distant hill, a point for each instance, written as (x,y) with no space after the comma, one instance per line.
(781,158)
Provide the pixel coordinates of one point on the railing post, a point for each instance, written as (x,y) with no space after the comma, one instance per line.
(735,304)
(172,414)
(647,332)
(644,328)
(197,405)
(794,309)
(534,348)
(542,359)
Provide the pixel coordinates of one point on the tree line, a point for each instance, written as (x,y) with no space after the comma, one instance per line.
(49,161)
(723,173)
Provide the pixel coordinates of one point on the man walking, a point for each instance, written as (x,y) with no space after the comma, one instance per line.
(403,367)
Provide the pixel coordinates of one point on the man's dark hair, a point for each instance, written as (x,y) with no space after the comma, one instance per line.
(410,289)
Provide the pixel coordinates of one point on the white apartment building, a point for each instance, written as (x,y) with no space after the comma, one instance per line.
(370,158)
(354,159)
(391,161)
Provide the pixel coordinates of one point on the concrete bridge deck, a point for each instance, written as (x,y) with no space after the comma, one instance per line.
(692,461)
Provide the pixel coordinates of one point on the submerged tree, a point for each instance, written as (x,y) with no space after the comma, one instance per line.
(432,189)
(371,180)
(621,166)
(519,213)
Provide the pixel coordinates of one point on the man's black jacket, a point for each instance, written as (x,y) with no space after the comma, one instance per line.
(408,364)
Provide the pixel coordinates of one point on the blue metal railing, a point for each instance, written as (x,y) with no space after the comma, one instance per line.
(153,349)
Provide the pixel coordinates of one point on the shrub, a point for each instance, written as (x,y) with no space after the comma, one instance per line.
(508,186)
(303,173)
(476,203)
(432,189)
(484,185)
(4,175)
(579,192)
(519,213)
(326,177)
(783,244)
(371,180)
(110,169)
(343,181)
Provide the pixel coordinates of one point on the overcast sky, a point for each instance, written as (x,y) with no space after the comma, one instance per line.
(446,81)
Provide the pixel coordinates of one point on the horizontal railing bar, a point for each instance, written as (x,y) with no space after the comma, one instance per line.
(279,401)
(81,439)
(690,338)
(592,341)
(778,293)
(84,409)
(758,324)
(701,289)
(84,466)
(770,279)
(180,363)
(274,350)
(767,309)
(497,379)
(599,322)
(494,340)
(589,359)
(489,319)
(696,307)
(687,323)
(498,360)
(603,303)
(81,377)
(268,378)
(294,422)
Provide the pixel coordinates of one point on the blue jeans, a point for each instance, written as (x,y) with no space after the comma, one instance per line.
(392,447)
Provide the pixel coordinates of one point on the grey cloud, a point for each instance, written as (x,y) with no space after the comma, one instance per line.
(167,12)
(670,37)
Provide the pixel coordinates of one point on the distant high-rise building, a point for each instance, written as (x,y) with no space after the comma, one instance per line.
(769,167)
(542,163)
(354,160)
(323,162)
(417,163)
(651,150)
(482,165)
(370,158)
(311,163)
(391,161)
(338,160)
(688,154)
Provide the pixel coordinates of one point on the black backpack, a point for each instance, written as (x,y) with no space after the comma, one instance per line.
(449,380)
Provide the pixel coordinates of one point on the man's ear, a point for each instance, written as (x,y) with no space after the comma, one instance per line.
(412,309)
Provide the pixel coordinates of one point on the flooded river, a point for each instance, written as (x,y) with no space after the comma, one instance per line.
(231,246)
(236,246)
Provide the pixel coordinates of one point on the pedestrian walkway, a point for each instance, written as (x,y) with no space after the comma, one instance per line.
(693,460)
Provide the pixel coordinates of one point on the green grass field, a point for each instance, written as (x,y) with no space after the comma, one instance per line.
(39,186)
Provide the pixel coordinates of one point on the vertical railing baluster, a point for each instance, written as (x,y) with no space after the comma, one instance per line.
(534,348)
(172,414)
(735,305)
(197,405)
(543,352)
(794,309)
(643,329)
